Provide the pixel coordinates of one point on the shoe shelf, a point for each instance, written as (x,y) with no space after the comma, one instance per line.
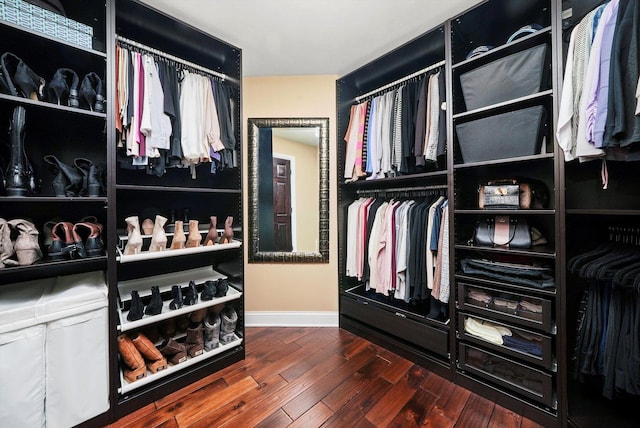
(165,282)
(126,387)
(44,104)
(163,189)
(151,255)
(46,268)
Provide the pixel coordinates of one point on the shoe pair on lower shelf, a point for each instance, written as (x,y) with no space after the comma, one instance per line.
(138,354)
(137,307)
(24,249)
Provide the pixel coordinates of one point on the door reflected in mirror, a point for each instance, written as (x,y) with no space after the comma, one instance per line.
(288,189)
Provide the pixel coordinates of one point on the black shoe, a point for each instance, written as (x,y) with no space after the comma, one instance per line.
(63,88)
(176,293)
(155,306)
(191,297)
(210,290)
(136,308)
(20,80)
(223,287)
(90,93)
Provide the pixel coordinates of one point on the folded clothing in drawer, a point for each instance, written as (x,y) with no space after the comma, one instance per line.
(507,135)
(514,273)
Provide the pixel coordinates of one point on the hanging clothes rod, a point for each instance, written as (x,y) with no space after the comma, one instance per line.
(400,189)
(190,64)
(395,82)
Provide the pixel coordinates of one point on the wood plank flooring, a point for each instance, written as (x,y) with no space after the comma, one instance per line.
(321,377)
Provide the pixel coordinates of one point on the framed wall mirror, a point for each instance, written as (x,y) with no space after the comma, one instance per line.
(289,190)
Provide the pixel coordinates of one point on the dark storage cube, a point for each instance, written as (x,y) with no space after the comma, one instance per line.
(507,135)
(513,76)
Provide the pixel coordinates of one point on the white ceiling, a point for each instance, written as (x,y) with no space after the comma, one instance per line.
(298,37)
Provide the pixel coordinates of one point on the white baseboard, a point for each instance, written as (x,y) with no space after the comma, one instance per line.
(290,319)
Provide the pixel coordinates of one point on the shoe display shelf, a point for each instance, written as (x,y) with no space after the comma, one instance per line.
(165,282)
(150,255)
(126,387)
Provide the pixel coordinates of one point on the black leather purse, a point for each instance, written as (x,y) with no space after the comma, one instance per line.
(503,231)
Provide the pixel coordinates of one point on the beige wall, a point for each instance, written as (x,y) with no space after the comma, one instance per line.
(293,287)
(305,203)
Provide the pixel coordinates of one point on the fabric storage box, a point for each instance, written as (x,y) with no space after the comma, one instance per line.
(507,135)
(53,351)
(514,76)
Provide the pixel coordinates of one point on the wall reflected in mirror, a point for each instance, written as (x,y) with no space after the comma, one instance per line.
(288,189)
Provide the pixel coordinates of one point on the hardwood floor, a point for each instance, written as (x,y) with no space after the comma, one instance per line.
(321,377)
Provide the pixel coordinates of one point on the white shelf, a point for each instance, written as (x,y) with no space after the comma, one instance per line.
(128,387)
(165,282)
(150,255)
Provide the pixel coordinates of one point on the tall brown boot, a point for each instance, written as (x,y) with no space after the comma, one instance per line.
(155,360)
(134,367)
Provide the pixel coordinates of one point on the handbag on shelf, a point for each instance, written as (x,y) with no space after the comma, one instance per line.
(512,194)
(503,231)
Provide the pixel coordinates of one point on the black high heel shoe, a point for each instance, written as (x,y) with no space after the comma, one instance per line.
(63,88)
(176,293)
(91,94)
(137,307)
(20,79)
(191,297)
(91,184)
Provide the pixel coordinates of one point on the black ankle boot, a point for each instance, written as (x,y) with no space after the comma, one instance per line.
(176,293)
(155,306)
(223,287)
(210,290)
(136,308)
(91,95)
(191,297)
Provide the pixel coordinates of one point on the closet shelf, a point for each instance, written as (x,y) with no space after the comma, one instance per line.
(165,281)
(522,43)
(48,268)
(164,189)
(544,251)
(147,255)
(52,106)
(167,313)
(616,212)
(395,180)
(66,199)
(504,106)
(504,161)
(41,36)
(171,369)
(505,212)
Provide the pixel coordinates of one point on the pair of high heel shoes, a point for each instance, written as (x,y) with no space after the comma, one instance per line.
(134,237)
(65,88)
(24,250)
(83,178)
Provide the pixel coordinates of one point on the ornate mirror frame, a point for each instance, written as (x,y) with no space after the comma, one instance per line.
(322,255)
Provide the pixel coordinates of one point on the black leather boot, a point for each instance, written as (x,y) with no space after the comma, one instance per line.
(17,179)
(176,293)
(68,180)
(155,306)
(191,298)
(210,290)
(91,183)
(136,308)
